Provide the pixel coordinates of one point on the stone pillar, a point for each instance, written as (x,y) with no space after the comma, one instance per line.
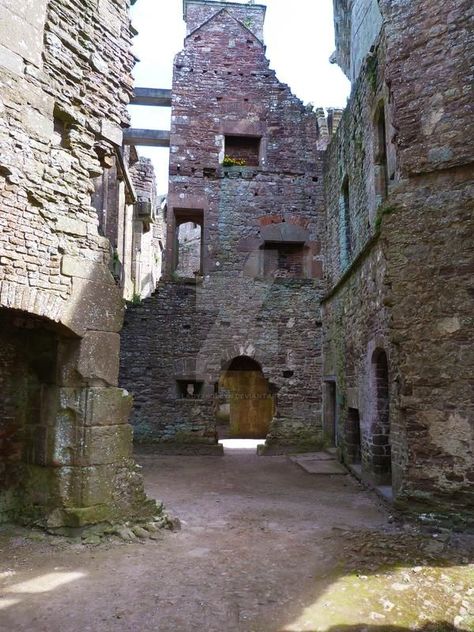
(79,468)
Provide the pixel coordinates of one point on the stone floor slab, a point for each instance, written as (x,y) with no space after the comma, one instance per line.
(319,466)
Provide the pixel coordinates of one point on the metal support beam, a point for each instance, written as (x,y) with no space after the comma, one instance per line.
(151,96)
(146,137)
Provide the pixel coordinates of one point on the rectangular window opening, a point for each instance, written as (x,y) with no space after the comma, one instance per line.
(188,243)
(242,151)
(189,389)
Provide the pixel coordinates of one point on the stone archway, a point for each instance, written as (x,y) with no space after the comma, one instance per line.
(65,444)
(246,402)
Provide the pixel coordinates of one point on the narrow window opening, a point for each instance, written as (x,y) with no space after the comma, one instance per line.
(345,224)
(380,155)
(61,128)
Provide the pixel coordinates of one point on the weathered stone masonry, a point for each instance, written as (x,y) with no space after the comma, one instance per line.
(65,444)
(261,268)
(398,255)
(384,330)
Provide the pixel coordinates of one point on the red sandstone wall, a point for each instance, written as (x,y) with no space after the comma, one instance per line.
(223,85)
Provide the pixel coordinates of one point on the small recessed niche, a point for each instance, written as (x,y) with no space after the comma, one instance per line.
(288,373)
(62,129)
(189,389)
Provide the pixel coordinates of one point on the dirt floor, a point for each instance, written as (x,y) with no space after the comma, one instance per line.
(264,547)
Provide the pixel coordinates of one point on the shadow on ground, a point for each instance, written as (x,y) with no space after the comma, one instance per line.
(264,547)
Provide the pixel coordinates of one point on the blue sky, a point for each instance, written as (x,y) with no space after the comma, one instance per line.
(299,36)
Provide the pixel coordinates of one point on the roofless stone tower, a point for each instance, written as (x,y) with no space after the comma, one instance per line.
(231,341)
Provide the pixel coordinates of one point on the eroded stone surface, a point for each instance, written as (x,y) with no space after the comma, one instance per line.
(65,448)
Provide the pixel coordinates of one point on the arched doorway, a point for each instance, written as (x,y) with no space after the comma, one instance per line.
(246,405)
(380,428)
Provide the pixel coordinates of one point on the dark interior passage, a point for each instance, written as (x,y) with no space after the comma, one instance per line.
(27,368)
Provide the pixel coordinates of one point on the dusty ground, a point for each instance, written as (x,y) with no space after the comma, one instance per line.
(264,547)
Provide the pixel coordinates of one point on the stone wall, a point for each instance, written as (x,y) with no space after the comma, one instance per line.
(186,332)
(251,215)
(65,73)
(357,25)
(399,266)
(148,228)
(198,12)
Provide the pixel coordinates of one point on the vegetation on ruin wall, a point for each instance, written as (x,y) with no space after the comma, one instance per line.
(371,71)
(229,161)
(384,209)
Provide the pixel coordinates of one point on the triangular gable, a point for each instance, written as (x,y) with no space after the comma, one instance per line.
(220,12)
